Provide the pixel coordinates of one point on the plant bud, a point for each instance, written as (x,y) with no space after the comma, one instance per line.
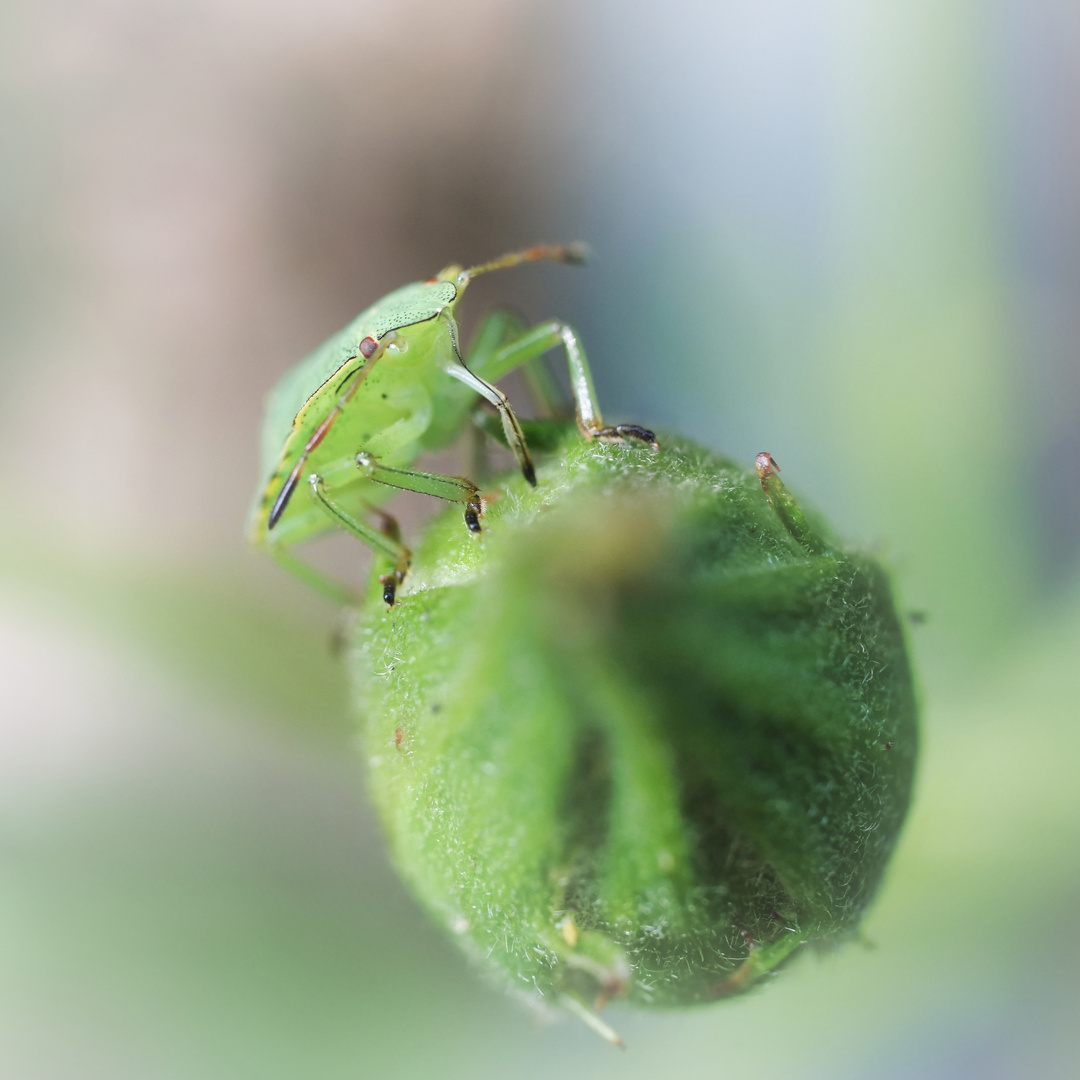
(648,735)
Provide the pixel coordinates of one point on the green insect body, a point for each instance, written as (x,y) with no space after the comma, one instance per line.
(348,421)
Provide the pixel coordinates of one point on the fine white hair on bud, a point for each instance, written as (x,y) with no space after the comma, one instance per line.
(649,735)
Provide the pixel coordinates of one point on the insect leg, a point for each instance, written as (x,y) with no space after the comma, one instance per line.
(497,329)
(452,488)
(385,541)
(537,341)
(354,379)
(512,429)
(333,590)
(786,508)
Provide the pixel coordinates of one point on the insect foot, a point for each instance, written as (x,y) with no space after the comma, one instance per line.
(622,432)
(473,510)
(390,583)
(652,712)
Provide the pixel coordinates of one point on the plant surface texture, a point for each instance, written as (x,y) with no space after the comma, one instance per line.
(647,736)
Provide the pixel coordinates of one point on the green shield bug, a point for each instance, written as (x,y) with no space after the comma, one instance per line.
(349,420)
(651,738)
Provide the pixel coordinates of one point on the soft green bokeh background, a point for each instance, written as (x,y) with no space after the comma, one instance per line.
(845,233)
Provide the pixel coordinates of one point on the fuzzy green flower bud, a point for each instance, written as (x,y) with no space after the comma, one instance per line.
(648,735)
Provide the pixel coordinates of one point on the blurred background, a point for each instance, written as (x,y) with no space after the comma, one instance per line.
(846,233)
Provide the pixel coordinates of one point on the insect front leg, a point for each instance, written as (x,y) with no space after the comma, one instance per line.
(452,488)
(533,343)
(499,328)
(511,428)
(385,541)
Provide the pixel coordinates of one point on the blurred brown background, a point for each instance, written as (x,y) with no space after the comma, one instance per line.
(845,233)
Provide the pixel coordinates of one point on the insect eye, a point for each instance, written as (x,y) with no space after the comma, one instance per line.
(368,347)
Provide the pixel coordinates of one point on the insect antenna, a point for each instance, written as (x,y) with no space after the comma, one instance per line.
(575,254)
(286,493)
